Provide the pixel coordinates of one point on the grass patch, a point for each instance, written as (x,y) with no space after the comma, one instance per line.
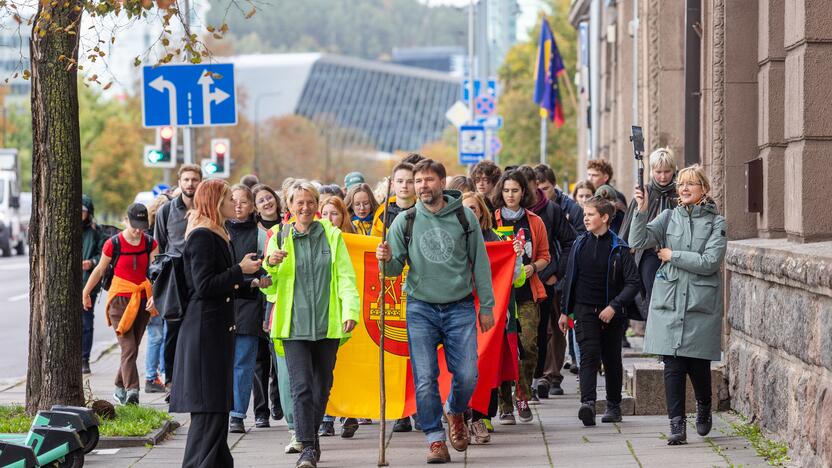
(134,420)
(775,453)
(13,419)
(130,420)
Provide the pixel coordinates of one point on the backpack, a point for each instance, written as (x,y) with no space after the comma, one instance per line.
(170,291)
(107,278)
(410,218)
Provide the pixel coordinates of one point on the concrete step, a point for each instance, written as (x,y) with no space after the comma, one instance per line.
(645,382)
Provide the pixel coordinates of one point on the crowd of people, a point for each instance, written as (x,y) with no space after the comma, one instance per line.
(271,294)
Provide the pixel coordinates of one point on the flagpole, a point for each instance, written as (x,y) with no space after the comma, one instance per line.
(543,128)
(382,433)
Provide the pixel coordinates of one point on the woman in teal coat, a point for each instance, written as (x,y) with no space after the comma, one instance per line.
(685,320)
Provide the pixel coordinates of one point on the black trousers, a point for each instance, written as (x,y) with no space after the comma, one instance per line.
(171,336)
(546,309)
(310,365)
(207,445)
(492,408)
(676,368)
(264,392)
(599,342)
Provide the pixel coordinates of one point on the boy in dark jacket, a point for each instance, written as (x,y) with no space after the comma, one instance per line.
(92,241)
(601,281)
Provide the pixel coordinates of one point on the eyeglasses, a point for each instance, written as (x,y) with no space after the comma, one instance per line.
(689,184)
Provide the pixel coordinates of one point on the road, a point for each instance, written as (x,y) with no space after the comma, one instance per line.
(14,316)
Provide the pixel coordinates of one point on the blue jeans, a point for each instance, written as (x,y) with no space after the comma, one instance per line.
(455,326)
(155,362)
(245,357)
(88,319)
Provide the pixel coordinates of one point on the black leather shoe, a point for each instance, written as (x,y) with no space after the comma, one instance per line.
(555,390)
(402,425)
(235,426)
(85,366)
(587,413)
(348,428)
(277,414)
(543,388)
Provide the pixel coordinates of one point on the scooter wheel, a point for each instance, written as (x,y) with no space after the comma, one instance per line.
(72,460)
(89,438)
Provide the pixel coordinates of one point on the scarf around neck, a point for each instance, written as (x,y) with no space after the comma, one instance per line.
(511,215)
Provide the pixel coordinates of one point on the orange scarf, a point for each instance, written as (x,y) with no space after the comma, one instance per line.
(122,286)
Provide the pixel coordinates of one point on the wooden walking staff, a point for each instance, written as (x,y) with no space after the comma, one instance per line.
(382,433)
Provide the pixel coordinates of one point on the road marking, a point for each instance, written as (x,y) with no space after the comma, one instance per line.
(106,451)
(19,297)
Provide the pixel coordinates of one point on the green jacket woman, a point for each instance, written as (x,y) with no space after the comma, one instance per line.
(685,320)
(687,293)
(343,294)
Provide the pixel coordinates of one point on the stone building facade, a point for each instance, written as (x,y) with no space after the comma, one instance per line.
(742,87)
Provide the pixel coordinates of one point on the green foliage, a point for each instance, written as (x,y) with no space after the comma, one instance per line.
(775,453)
(134,420)
(364,28)
(521,133)
(13,419)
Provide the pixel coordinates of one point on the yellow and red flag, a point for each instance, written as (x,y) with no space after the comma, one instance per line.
(355,391)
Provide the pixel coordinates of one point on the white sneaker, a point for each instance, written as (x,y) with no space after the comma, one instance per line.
(294,446)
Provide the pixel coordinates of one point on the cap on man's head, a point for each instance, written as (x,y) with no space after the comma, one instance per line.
(353,178)
(137,216)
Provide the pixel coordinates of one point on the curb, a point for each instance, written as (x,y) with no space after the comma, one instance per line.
(154,438)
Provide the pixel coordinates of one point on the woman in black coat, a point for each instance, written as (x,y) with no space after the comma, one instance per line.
(205,349)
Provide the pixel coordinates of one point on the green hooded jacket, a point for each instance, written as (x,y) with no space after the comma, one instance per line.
(686,306)
(343,305)
(441,269)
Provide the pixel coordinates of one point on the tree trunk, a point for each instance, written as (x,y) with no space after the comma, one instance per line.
(54,374)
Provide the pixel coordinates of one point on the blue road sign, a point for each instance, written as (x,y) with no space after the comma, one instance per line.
(491,123)
(491,89)
(471,144)
(189,95)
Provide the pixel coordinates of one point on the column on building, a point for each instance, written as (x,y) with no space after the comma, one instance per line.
(771,89)
(808,119)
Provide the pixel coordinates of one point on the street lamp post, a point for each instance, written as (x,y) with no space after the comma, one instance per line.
(256,162)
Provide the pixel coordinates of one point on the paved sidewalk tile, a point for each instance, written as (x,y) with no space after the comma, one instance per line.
(556,438)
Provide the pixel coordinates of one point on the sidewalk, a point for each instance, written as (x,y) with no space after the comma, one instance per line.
(554,438)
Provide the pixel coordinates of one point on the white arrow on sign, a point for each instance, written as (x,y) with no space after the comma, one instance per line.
(161,84)
(217,96)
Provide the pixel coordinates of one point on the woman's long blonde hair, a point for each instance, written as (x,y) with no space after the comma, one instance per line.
(334,200)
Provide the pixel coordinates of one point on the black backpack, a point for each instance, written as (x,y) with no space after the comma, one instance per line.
(107,278)
(410,218)
(170,291)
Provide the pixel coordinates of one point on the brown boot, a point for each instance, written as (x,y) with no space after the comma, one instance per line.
(458,431)
(438,453)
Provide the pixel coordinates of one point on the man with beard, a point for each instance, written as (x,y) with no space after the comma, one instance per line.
(169,233)
(92,241)
(441,243)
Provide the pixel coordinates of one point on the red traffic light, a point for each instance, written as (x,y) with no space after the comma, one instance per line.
(220,149)
(166,133)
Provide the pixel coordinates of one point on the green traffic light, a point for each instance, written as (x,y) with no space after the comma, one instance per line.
(155,156)
(211,168)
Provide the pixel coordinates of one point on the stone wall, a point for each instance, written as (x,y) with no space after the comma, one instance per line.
(779,352)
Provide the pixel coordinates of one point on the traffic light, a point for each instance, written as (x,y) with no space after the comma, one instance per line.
(163,153)
(219,166)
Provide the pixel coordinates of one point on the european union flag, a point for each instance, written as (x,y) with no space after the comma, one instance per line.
(549,67)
